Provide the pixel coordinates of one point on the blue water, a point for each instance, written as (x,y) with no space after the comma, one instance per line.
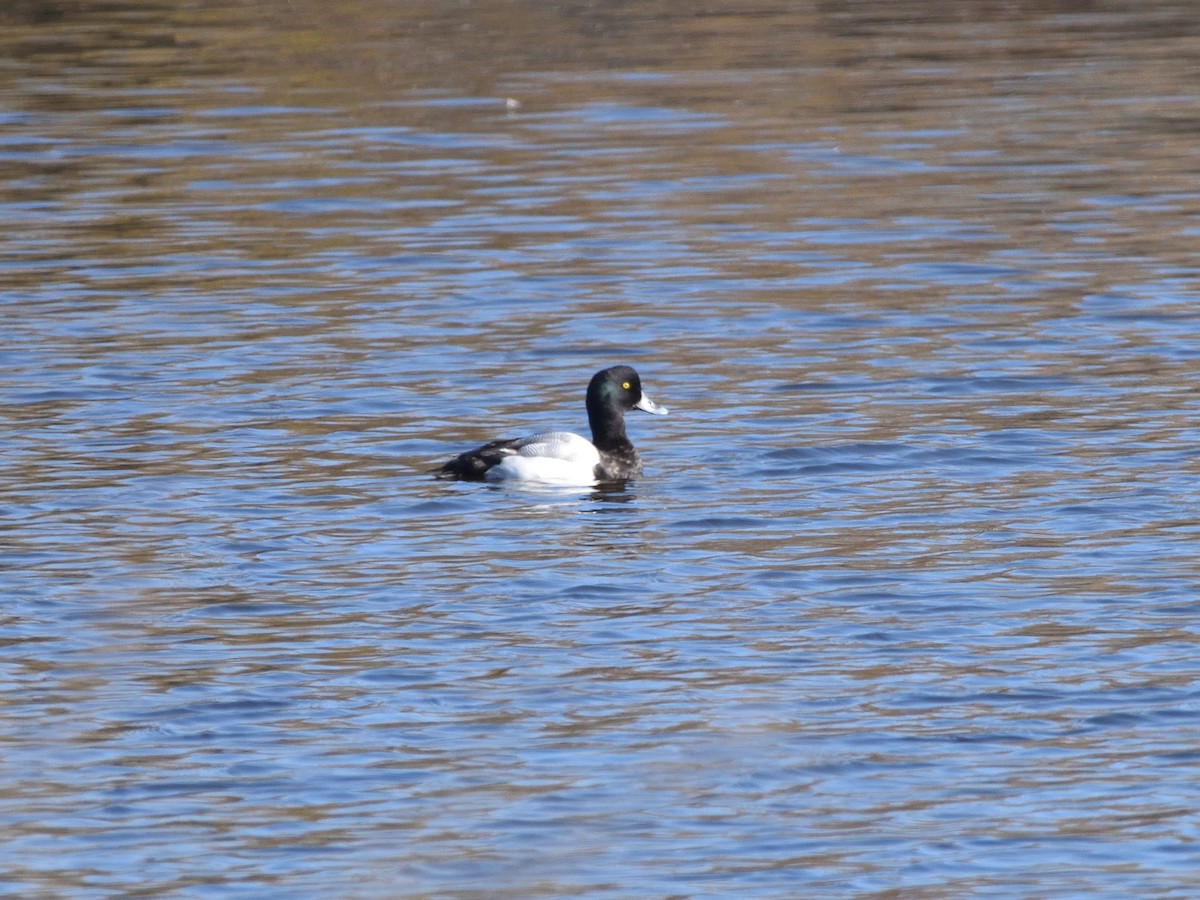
(906,599)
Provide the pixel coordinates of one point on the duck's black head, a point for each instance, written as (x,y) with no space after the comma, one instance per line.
(610,394)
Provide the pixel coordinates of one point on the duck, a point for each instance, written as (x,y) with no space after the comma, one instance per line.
(561,457)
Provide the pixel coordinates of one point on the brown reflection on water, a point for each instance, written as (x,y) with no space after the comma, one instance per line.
(1020,118)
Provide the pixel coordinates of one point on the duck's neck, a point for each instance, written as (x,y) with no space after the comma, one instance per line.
(608,427)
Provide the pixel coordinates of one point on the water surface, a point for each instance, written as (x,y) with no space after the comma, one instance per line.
(905,601)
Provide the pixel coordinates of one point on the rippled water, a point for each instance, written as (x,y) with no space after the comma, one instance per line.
(905,601)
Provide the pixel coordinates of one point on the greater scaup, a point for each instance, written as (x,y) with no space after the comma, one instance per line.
(559,457)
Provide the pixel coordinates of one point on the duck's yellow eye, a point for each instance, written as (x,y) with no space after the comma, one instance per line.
(625,384)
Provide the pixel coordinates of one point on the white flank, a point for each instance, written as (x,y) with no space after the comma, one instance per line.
(553,457)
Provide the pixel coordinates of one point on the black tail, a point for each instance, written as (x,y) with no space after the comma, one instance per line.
(474,464)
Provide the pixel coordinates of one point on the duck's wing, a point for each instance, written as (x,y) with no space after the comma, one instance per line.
(562,445)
